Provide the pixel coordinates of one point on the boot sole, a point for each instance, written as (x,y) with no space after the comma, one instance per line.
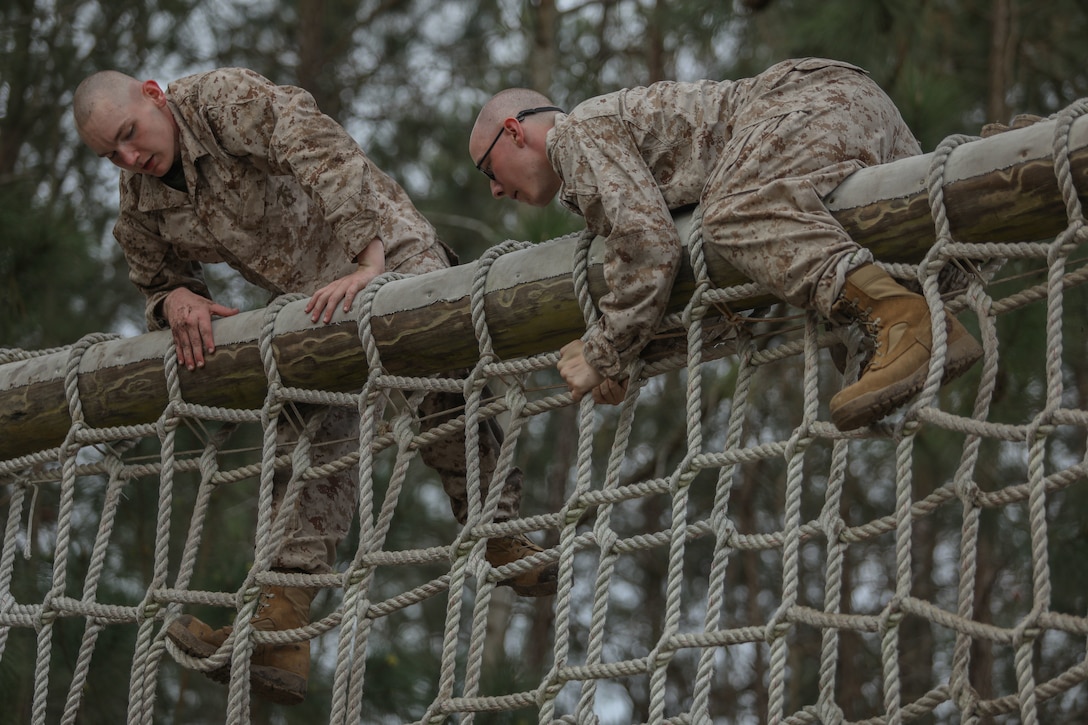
(270,683)
(545,585)
(869,408)
(546,589)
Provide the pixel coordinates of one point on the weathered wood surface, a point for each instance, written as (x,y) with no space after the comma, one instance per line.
(1000,189)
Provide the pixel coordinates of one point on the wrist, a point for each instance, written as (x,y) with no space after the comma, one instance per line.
(166,303)
(372,256)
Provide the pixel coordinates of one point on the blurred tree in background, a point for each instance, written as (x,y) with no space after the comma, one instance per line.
(406,77)
(59,276)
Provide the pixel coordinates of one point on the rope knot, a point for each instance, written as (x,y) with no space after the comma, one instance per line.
(892,615)
(573,514)
(778,626)
(1028,630)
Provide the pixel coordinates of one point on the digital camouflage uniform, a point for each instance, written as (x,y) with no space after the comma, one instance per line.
(758,154)
(285,196)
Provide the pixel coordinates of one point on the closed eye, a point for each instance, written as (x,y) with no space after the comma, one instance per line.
(125,135)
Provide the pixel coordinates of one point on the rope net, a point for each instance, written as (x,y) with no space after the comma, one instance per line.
(732,559)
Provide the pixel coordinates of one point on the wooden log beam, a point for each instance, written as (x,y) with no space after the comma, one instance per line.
(1000,189)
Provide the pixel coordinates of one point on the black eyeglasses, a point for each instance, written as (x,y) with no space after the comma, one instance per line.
(522,115)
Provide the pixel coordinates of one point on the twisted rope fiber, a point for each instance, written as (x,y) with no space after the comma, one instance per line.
(684,475)
(47,614)
(356,626)
(555,679)
(1060,249)
(570,689)
(474,390)
(693,317)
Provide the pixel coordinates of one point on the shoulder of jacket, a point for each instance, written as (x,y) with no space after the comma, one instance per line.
(604,105)
(219,84)
(810,64)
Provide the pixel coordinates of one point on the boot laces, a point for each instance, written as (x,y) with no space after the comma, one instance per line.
(871,327)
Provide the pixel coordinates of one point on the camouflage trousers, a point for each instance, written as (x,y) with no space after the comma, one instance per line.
(798,134)
(326,506)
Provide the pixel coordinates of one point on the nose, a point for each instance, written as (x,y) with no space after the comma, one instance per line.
(496,189)
(126,156)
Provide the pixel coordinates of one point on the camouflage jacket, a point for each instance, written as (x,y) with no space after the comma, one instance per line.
(276,189)
(626,159)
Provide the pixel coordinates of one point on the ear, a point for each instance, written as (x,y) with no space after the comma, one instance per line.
(517,131)
(153,92)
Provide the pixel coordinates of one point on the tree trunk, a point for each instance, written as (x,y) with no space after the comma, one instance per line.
(1002,53)
(542,57)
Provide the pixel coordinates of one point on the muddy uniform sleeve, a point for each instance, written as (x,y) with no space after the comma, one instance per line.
(606,180)
(153,264)
(281,129)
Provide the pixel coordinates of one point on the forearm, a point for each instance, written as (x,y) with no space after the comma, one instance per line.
(372,257)
(154,267)
(639,270)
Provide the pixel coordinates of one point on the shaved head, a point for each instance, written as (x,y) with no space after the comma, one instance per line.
(105,89)
(506,104)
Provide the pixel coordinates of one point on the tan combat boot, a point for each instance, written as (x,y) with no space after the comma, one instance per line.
(277,672)
(897,320)
(538,582)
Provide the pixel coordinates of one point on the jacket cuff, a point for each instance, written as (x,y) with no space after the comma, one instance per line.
(600,353)
(153,313)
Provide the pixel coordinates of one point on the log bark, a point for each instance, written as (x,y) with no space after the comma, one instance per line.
(999,189)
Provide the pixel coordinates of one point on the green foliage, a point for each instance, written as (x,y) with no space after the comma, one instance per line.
(57,280)
(45,252)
